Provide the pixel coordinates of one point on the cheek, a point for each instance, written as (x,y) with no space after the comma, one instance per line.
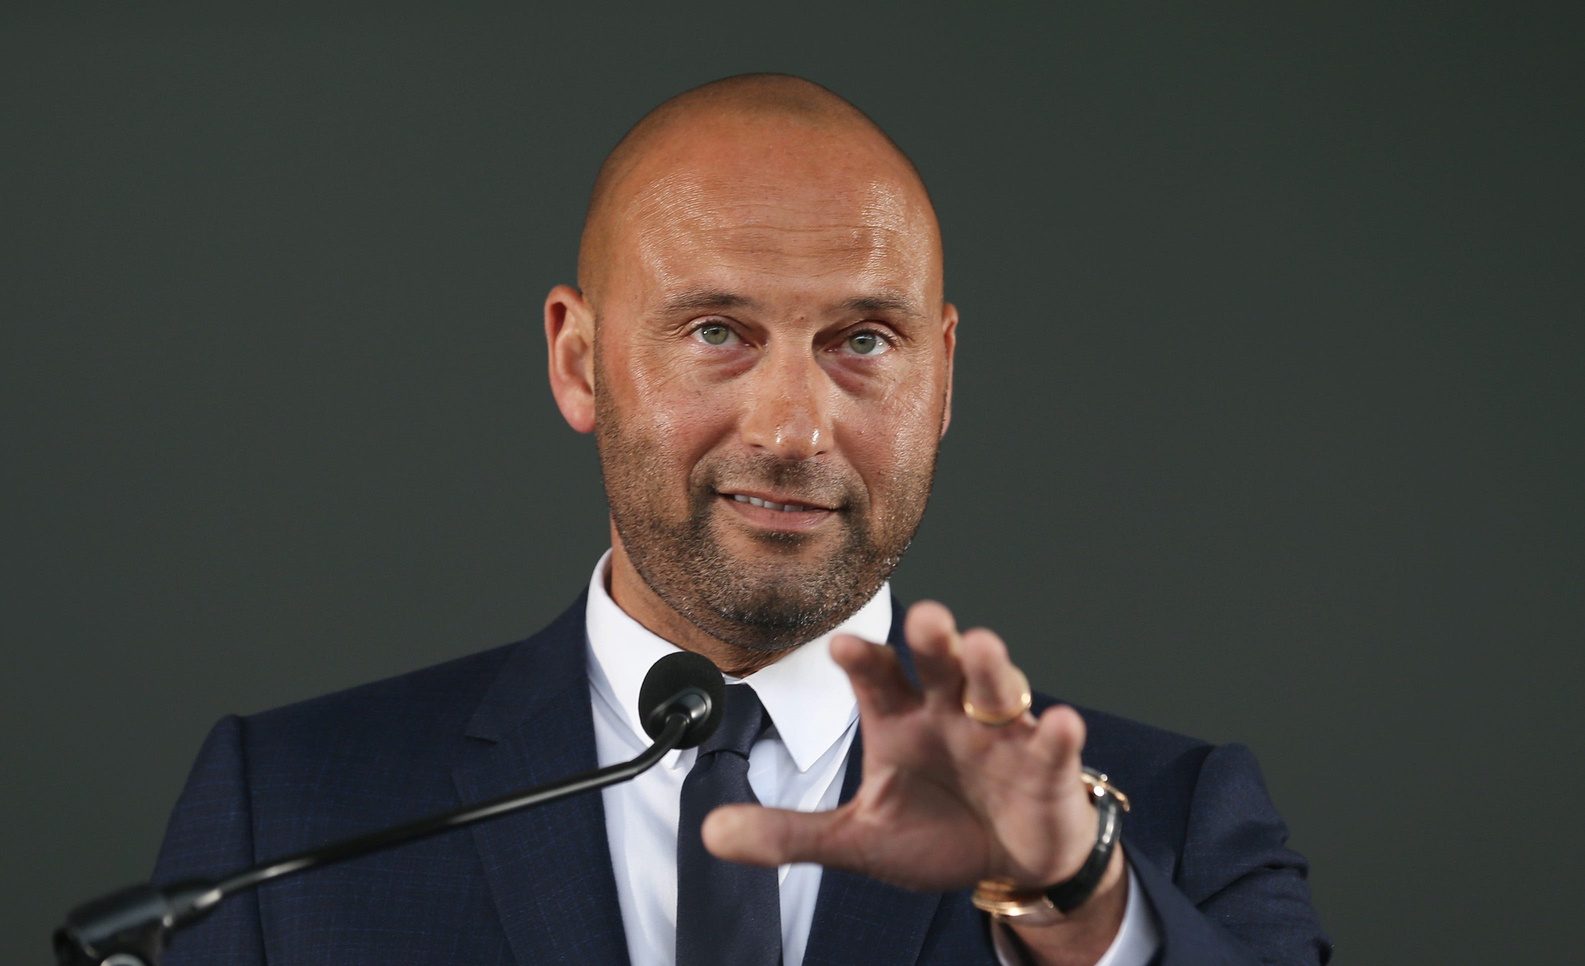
(680,419)
(892,437)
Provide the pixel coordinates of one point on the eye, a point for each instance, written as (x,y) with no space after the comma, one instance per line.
(867,342)
(714,333)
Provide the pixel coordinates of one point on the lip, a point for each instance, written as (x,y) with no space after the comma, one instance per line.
(785,521)
(781,498)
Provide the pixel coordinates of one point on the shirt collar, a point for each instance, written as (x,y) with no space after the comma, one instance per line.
(807,696)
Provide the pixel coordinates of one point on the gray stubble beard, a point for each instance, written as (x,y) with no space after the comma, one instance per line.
(769,605)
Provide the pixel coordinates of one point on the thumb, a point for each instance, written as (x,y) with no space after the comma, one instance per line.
(757,835)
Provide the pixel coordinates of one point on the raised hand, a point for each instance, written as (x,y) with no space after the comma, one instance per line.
(946,799)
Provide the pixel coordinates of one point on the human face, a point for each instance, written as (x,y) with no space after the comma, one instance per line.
(777,336)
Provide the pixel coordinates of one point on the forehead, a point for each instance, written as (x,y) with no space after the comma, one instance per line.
(777,209)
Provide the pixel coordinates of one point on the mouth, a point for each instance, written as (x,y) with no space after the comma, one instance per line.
(787,507)
(778,511)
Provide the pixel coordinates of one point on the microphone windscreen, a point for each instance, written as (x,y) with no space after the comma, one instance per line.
(678,682)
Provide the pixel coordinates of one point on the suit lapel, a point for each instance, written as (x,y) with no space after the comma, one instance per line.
(549,868)
(857,918)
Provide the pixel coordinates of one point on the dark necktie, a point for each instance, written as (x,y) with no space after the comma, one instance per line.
(727,914)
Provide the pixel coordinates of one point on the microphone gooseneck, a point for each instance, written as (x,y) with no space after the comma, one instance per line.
(680,704)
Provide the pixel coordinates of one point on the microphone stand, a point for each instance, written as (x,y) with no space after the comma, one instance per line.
(129,927)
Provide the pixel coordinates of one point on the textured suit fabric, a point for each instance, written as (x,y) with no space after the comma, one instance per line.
(537,887)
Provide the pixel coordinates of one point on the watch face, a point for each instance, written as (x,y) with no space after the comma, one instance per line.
(1013,906)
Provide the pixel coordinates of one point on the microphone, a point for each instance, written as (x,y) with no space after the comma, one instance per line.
(682,683)
(680,704)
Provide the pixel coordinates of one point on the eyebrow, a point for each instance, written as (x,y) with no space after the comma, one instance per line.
(882,302)
(706,299)
(698,299)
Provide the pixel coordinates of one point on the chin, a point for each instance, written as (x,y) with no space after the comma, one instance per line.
(771,629)
(782,608)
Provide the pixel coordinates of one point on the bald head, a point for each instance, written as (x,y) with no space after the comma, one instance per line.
(760,345)
(772,128)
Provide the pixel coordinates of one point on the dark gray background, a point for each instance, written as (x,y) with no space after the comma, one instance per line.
(1269,403)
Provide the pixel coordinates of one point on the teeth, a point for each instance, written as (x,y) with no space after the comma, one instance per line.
(783,507)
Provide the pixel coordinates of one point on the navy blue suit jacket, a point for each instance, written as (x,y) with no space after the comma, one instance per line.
(536,887)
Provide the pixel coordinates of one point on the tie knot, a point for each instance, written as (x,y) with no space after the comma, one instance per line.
(741,725)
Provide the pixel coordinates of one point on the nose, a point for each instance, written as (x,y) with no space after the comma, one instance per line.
(787,405)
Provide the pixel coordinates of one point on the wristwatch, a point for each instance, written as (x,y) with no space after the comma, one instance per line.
(1044,907)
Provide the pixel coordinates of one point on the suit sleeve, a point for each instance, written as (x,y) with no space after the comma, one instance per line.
(1239,895)
(210,835)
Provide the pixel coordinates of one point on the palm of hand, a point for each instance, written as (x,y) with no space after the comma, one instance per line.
(945,800)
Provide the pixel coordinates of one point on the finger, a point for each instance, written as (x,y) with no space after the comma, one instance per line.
(877,676)
(992,683)
(756,835)
(1059,737)
(933,640)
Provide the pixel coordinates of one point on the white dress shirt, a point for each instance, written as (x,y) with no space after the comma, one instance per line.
(798,764)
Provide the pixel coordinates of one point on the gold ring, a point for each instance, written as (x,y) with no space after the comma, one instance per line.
(1000,719)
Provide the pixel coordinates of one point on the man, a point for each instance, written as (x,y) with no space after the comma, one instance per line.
(760,343)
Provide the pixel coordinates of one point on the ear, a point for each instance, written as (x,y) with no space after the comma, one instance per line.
(949,338)
(569,337)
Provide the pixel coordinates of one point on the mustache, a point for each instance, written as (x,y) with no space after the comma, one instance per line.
(815,481)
